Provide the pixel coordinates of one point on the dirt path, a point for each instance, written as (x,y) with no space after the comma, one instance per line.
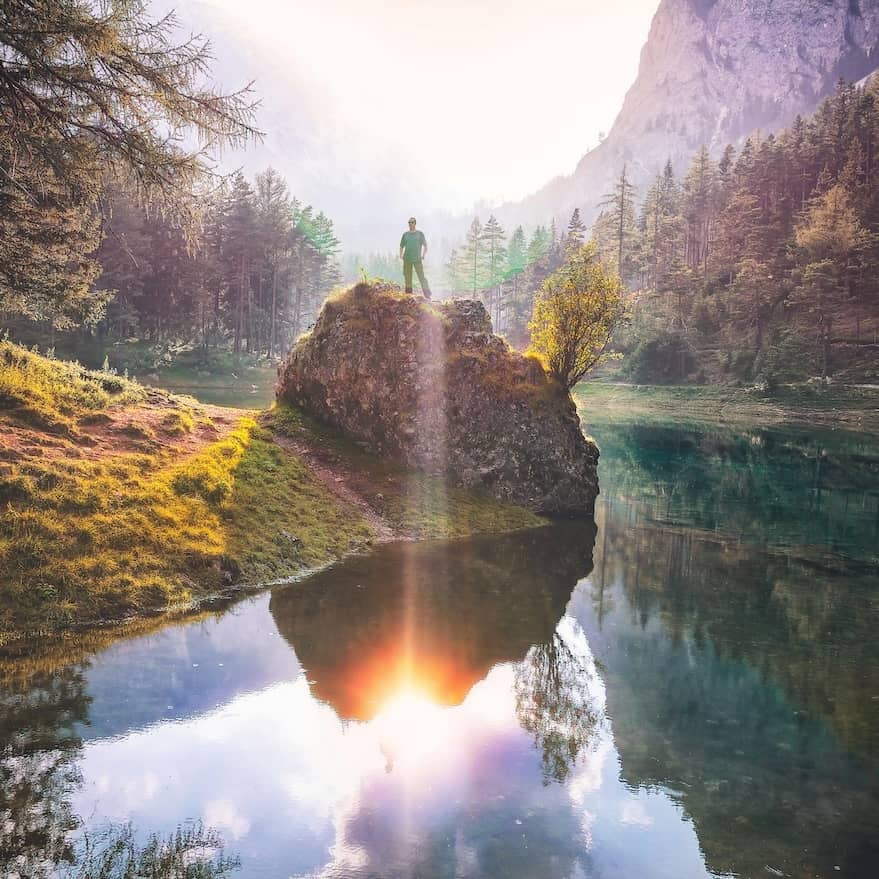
(341,481)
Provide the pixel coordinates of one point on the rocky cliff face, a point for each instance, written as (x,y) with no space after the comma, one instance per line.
(711,72)
(431,386)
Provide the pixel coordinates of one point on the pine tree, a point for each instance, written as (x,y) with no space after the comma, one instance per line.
(473,258)
(517,259)
(239,254)
(517,256)
(699,204)
(576,232)
(91,92)
(125,259)
(831,242)
(539,244)
(494,246)
(660,226)
(621,217)
(275,223)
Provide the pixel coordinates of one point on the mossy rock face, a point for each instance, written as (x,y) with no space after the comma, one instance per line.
(433,388)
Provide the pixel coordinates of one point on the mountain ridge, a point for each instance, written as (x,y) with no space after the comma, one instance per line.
(712,72)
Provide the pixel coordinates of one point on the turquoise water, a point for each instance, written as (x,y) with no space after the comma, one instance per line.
(688,687)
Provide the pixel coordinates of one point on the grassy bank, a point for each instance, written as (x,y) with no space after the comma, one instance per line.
(413,504)
(851,408)
(118,500)
(213,375)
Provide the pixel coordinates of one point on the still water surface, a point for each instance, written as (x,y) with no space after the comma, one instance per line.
(689,689)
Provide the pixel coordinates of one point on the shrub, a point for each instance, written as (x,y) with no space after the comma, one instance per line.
(666,359)
(575,314)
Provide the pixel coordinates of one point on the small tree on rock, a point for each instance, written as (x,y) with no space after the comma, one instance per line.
(575,314)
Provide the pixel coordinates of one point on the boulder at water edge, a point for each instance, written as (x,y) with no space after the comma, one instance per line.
(431,386)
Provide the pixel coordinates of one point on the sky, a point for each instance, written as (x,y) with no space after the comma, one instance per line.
(475,100)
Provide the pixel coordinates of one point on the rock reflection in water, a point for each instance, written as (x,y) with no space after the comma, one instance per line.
(435,617)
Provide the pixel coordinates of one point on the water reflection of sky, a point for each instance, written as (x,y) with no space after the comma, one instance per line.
(453,790)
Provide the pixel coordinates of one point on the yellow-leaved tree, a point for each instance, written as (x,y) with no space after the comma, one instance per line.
(575,313)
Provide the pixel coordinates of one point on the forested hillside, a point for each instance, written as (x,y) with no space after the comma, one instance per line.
(760,266)
(757,267)
(115,224)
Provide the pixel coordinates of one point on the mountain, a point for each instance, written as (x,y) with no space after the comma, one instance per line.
(711,72)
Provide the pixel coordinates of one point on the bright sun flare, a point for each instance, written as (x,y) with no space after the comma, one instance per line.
(411,726)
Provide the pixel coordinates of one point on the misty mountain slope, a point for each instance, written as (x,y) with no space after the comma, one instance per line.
(711,72)
(357,178)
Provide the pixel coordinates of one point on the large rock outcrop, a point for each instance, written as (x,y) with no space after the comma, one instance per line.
(432,387)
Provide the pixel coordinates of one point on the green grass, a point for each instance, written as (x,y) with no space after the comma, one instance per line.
(420,505)
(84,541)
(51,394)
(281,519)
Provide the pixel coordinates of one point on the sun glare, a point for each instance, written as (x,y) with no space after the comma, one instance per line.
(411,726)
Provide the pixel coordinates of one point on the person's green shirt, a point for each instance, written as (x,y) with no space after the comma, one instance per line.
(411,244)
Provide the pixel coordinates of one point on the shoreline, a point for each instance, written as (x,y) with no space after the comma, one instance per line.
(852,407)
(119,502)
(26,645)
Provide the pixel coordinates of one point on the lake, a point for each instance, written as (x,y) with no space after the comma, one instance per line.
(687,687)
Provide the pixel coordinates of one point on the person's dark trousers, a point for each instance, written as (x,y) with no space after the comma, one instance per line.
(407,276)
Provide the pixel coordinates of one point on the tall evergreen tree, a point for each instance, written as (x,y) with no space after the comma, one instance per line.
(240,235)
(494,246)
(620,215)
(90,92)
(275,227)
(575,236)
(473,258)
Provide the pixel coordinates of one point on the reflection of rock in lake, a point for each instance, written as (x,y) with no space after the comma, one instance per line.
(436,616)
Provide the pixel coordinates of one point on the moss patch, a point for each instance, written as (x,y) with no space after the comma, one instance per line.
(50,393)
(90,540)
(281,519)
(83,541)
(419,505)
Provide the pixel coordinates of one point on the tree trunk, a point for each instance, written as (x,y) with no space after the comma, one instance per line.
(273,316)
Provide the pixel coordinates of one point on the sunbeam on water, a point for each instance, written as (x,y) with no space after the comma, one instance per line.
(411,728)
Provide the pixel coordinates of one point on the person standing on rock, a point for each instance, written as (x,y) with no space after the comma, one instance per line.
(413,249)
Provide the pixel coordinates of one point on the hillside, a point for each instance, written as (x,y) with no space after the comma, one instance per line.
(710,73)
(118,500)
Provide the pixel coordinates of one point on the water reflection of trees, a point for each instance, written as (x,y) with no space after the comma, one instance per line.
(38,771)
(743,678)
(40,836)
(555,705)
(759,485)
